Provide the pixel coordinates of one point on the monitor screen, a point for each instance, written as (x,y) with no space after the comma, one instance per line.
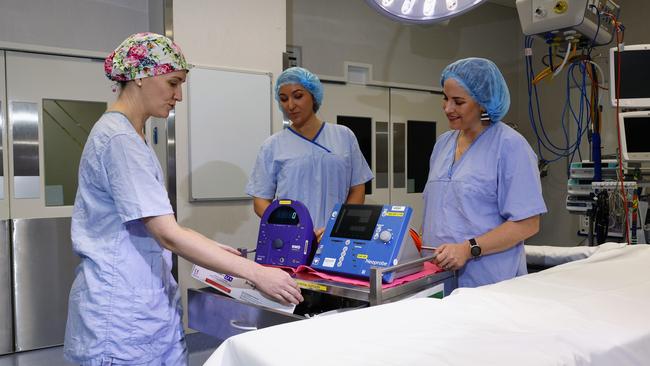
(635,135)
(356,221)
(284,215)
(634,76)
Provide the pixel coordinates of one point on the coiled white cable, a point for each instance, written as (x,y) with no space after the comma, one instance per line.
(566,58)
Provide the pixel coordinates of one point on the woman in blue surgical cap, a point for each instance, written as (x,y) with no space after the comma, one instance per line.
(317,163)
(124,306)
(483,197)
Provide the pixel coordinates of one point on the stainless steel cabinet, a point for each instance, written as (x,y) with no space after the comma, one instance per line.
(6,314)
(43,271)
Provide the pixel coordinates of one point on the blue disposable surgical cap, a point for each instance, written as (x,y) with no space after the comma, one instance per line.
(309,81)
(483,81)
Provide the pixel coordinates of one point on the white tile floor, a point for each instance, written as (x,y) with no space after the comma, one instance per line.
(200,348)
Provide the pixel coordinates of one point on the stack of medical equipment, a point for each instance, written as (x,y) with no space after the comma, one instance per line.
(609,205)
(368,251)
(629,78)
(604,206)
(579,198)
(600,205)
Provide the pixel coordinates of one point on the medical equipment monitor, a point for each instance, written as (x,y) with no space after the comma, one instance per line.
(635,135)
(634,89)
(356,222)
(359,237)
(286,235)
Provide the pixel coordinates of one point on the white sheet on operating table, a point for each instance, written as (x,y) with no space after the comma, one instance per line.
(589,312)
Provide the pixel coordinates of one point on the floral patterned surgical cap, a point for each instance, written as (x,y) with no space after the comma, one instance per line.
(142,55)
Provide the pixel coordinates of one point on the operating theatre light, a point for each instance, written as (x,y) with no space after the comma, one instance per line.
(422,11)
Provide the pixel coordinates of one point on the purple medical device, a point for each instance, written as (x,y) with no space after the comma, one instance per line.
(286,235)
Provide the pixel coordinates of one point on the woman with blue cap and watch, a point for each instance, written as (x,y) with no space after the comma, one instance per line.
(314,162)
(483,196)
(124,306)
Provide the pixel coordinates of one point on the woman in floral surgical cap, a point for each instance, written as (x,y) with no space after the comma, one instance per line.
(124,306)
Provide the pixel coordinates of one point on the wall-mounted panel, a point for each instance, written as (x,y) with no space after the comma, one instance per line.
(229,119)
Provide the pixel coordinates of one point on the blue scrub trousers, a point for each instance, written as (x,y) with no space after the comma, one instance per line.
(174,356)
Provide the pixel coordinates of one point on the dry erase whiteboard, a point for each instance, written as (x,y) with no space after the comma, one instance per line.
(229,118)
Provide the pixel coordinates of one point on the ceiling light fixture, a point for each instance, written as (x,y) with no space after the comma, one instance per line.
(422,11)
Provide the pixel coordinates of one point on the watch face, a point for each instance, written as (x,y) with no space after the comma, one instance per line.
(475,250)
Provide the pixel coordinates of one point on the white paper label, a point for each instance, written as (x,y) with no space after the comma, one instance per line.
(329,262)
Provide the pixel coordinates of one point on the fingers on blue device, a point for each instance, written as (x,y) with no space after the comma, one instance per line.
(286,235)
(358,237)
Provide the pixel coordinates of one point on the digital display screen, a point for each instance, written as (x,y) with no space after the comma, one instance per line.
(284,215)
(635,74)
(637,134)
(356,221)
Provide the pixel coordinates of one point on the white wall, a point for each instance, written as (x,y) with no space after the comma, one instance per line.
(334,31)
(91,25)
(248,35)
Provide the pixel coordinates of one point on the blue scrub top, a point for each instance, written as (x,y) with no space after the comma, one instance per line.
(124,304)
(494,181)
(317,172)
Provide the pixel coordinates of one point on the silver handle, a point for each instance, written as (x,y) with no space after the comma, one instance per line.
(376,274)
(382,270)
(234,324)
(24,119)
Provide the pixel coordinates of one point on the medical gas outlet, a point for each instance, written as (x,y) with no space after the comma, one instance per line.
(587,21)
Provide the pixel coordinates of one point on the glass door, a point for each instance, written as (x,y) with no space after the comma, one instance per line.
(417,118)
(364,109)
